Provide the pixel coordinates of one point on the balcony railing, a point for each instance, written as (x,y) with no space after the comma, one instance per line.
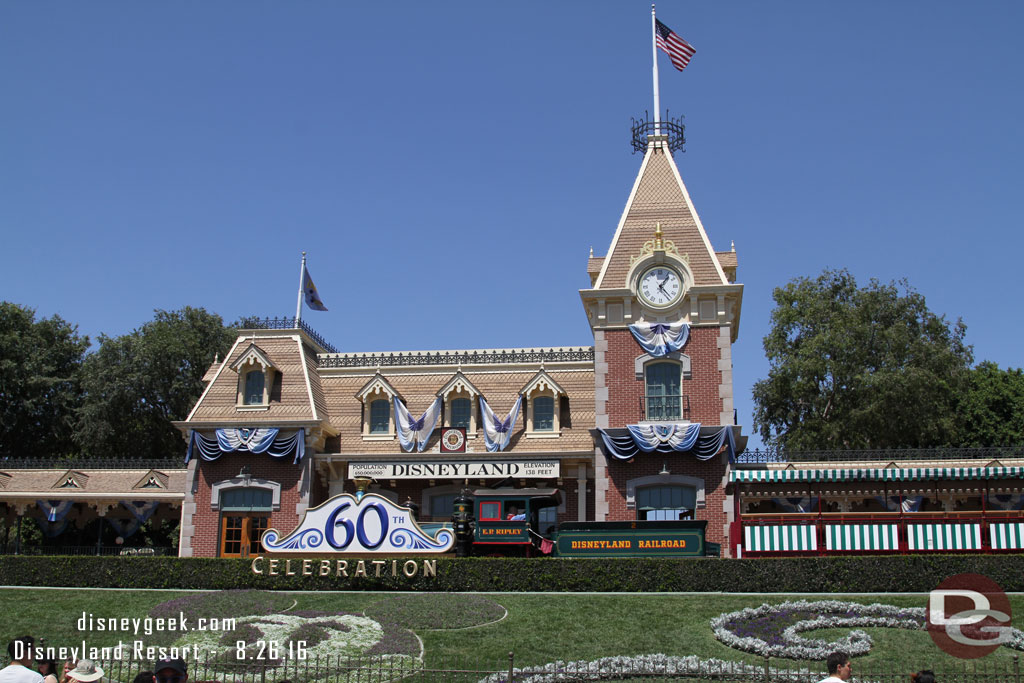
(257,323)
(665,408)
(177,463)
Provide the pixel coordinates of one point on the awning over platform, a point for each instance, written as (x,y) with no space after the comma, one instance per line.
(1007,535)
(875,474)
(780,537)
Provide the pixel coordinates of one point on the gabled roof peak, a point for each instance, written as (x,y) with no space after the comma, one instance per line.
(542,381)
(251,356)
(458,383)
(377,385)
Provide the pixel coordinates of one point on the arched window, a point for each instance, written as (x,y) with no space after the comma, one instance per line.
(663,400)
(255,382)
(380,416)
(544,414)
(462,409)
(665,502)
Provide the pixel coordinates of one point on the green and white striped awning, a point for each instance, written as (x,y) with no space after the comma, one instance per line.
(1007,535)
(780,537)
(876,474)
(944,536)
(861,537)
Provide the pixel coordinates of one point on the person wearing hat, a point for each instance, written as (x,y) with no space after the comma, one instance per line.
(85,672)
(19,670)
(170,670)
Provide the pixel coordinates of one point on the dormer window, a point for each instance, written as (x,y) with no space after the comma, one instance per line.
(377,396)
(255,385)
(461,414)
(380,416)
(543,398)
(256,374)
(544,414)
(460,400)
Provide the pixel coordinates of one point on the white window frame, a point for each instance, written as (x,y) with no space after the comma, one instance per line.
(460,387)
(242,483)
(543,384)
(666,480)
(377,389)
(254,360)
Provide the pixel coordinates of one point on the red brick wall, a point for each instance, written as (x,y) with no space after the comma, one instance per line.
(625,395)
(206,540)
(625,391)
(711,471)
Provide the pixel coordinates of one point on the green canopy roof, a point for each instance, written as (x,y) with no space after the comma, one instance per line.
(875,474)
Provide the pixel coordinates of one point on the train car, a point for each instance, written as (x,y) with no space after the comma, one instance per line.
(509,521)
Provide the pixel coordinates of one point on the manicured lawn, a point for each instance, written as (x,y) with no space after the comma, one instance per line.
(538,628)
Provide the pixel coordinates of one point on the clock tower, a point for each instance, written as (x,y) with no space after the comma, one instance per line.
(664,308)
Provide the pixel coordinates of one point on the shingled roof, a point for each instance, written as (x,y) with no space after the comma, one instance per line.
(659,196)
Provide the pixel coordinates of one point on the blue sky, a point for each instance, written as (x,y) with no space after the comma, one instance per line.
(449,165)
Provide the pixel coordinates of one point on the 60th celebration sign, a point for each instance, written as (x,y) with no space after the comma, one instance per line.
(346,525)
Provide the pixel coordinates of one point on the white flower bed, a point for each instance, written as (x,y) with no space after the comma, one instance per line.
(830,614)
(362,634)
(645,665)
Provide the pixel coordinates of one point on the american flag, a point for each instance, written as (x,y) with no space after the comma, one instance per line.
(678,50)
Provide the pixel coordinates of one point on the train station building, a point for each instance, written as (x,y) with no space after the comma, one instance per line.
(640,425)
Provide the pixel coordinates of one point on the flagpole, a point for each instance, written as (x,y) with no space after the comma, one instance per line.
(654,53)
(298,304)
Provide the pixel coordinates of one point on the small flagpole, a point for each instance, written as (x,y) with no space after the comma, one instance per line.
(298,304)
(657,97)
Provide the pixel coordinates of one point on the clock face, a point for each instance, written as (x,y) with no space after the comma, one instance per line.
(660,286)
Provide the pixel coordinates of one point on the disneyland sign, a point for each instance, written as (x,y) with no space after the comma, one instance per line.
(345,524)
(420,469)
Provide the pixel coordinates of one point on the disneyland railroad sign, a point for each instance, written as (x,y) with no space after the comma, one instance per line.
(345,524)
(491,469)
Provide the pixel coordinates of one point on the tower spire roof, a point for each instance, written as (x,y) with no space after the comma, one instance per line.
(659,196)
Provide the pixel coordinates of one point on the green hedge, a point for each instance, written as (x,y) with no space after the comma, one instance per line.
(910,573)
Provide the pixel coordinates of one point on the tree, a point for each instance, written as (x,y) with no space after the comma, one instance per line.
(136,384)
(39,388)
(853,367)
(992,409)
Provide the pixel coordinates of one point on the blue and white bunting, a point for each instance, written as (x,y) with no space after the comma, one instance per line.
(679,437)
(625,444)
(252,440)
(660,339)
(416,432)
(498,431)
(262,440)
(55,510)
